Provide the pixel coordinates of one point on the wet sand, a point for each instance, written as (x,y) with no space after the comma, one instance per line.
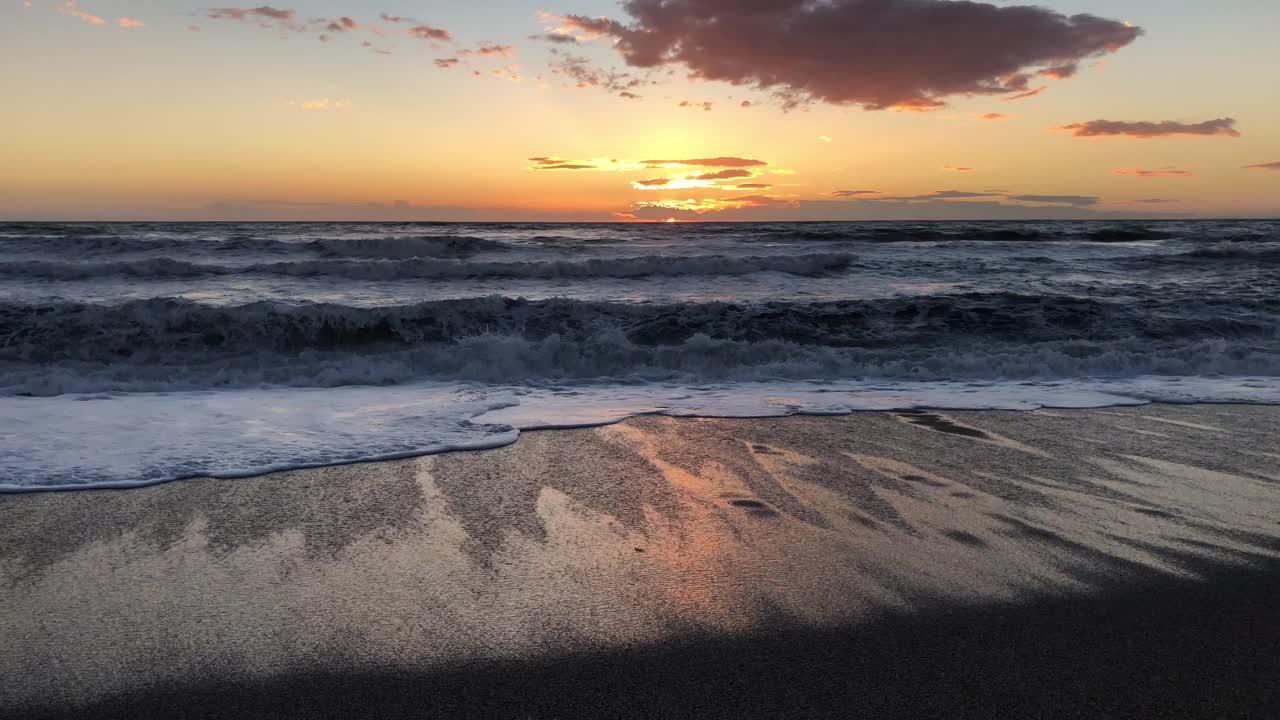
(1091,563)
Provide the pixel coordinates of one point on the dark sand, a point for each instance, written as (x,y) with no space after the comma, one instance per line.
(1108,563)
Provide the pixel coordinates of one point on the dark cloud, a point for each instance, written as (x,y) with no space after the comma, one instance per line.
(266,12)
(1077,200)
(396,18)
(852,193)
(426,32)
(994,116)
(584,74)
(1162,172)
(874,53)
(341,25)
(1025,95)
(1272,166)
(655,182)
(556,38)
(1157,201)
(706,106)
(1144,129)
(753,186)
(628,95)
(957,168)
(726,162)
(445,63)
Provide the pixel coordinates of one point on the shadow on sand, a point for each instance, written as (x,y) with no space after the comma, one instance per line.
(1170,648)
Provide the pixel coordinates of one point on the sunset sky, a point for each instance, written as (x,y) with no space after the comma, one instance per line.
(595,110)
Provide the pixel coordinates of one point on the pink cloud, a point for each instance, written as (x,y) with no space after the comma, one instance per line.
(70,9)
(957,168)
(125,22)
(1271,166)
(873,53)
(1143,130)
(491,51)
(994,116)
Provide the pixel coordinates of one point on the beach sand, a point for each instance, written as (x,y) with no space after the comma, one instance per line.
(1064,563)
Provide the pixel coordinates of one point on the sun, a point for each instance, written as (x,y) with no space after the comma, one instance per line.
(671,220)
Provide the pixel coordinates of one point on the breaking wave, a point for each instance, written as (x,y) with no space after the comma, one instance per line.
(440,268)
(167,344)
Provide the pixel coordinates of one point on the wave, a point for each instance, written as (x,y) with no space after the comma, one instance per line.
(951,233)
(440,268)
(162,345)
(386,247)
(1217,255)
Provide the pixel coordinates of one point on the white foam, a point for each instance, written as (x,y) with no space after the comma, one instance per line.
(130,440)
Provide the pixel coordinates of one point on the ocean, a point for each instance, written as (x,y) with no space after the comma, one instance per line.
(138,353)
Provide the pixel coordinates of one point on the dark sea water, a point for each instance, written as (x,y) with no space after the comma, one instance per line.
(134,353)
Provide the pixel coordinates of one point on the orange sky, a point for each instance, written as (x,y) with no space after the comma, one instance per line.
(129,110)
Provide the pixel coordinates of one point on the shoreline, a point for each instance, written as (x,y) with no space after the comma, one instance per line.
(726,563)
(518,429)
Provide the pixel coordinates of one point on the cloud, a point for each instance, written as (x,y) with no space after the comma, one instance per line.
(1162,172)
(1026,95)
(555,163)
(70,9)
(321,104)
(706,106)
(756,201)
(266,12)
(993,116)
(445,63)
(1062,72)
(1271,166)
(125,22)
(341,25)
(555,38)
(1157,201)
(396,19)
(873,53)
(729,174)
(1076,200)
(943,196)
(491,51)
(426,32)
(824,138)
(584,74)
(1145,130)
(727,162)
(753,186)
(654,182)
(957,168)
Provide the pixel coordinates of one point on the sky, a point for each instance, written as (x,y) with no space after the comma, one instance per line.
(655,110)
